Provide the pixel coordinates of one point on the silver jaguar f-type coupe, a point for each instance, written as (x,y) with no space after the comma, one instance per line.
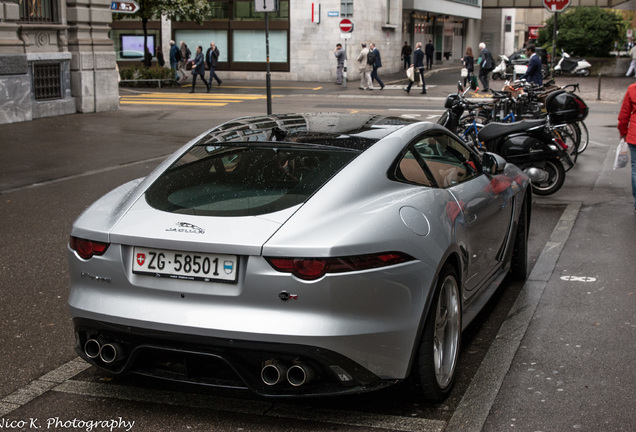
(299,254)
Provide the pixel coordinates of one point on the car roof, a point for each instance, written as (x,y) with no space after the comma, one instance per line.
(340,130)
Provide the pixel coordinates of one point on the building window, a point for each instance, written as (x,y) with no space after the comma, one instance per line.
(47,80)
(39,11)
(346,8)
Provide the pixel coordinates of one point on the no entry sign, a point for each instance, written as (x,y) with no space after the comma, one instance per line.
(556,5)
(346,25)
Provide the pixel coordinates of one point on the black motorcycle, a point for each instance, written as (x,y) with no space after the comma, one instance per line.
(534,147)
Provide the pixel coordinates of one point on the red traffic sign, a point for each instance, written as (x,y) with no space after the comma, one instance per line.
(346,25)
(556,5)
(124,7)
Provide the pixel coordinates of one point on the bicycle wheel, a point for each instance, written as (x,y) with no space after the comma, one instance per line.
(585,137)
(568,135)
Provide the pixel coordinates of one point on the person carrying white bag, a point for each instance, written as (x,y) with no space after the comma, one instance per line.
(627,131)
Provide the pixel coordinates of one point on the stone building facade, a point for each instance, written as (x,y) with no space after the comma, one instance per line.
(55,58)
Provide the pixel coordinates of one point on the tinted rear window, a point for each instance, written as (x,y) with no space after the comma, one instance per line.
(244,180)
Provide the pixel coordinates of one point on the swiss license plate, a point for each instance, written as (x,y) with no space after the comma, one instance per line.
(185,265)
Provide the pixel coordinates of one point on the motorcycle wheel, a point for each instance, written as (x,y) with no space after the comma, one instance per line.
(585,72)
(557,73)
(556,179)
(496,76)
(545,72)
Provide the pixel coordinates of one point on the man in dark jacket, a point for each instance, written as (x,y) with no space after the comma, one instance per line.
(533,74)
(418,65)
(212,60)
(377,65)
(429,49)
(487,64)
(198,68)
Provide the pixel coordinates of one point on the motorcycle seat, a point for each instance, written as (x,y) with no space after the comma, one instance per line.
(495,129)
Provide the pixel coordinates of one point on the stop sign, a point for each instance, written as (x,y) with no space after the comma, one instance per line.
(346,25)
(556,5)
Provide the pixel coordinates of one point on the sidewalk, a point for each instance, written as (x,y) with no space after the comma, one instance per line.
(440,81)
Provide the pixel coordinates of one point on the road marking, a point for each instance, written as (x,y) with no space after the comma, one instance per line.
(190,99)
(41,385)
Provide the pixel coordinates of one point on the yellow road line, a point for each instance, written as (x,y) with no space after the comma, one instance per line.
(194,96)
(182,103)
(168,100)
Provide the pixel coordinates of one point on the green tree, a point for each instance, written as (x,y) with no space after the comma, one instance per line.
(175,10)
(585,31)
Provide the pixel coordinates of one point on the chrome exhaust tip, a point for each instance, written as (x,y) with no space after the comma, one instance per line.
(110,352)
(92,347)
(273,372)
(300,374)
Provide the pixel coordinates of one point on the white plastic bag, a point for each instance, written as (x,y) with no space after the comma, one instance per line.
(620,161)
(410,73)
(463,73)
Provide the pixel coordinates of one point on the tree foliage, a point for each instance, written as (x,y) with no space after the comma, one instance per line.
(585,31)
(175,10)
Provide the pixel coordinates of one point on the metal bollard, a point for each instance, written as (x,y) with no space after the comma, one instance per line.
(598,97)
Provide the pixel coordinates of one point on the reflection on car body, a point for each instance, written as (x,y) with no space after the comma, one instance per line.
(307,254)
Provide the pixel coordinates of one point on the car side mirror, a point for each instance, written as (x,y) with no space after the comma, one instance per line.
(492,163)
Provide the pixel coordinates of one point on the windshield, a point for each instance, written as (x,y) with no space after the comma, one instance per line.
(239,180)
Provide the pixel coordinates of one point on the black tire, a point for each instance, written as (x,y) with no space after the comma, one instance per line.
(585,72)
(545,72)
(557,73)
(496,76)
(555,180)
(438,352)
(519,260)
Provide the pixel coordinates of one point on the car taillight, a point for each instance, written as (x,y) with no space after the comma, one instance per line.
(87,248)
(315,268)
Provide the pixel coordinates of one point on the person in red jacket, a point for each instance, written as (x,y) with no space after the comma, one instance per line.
(627,130)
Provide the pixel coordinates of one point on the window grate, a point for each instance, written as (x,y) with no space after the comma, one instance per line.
(39,11)
(47,81)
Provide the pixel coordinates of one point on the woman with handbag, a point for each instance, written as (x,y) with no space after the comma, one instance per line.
(469,65)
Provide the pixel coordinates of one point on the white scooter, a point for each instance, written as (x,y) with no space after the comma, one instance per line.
(579,67)
(506,71)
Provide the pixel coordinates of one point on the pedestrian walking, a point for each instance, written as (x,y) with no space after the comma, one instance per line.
(418,65)
(341,56)
(365,68)
(627,130)
(198,68)
(632,64)
(469,63)
(376,65)
(212,60)
(486,64)
(406,55)
(174,56)
(533,73)
(184,53)
(429,50)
